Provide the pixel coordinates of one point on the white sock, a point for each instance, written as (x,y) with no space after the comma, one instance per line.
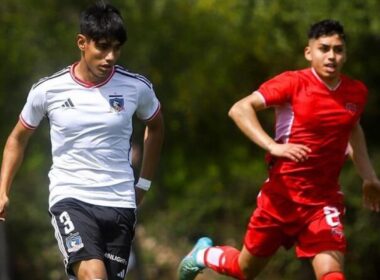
(213,256)
(200,256)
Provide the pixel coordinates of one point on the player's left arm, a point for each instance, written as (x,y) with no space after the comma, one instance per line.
(153,140)
(359,154)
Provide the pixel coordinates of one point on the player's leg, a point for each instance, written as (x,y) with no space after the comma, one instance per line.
(90,270)
(79,239)
(328,265)
(263,237)
(323,241)
(250,265)
(118,227)
(225,260)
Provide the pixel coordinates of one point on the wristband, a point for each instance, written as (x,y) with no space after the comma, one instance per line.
(143,184)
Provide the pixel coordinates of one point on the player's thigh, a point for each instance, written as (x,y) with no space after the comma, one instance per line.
(90,270)
(262,239)
(77,232)
(251,265)
(118,232)
(327,261)
(265,233)
(323,232)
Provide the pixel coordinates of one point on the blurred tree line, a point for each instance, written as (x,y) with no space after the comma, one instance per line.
(202,56)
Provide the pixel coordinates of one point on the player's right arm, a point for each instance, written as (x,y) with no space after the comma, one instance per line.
(12,158)
(243,113)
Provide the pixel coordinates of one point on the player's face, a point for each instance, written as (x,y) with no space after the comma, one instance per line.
(327,55)
(98,57)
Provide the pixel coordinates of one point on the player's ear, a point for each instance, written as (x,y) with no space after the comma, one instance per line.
(81,41)
(307,53)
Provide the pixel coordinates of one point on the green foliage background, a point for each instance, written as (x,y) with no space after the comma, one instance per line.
(202,56)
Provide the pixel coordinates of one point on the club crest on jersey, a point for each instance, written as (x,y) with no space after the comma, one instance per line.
(351,107)
(116,102)
(74,242)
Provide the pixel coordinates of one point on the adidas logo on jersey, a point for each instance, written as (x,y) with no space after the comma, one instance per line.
(68,104)
(121,274)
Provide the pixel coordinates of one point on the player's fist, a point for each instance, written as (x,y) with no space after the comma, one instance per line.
(371,194)
(4,201)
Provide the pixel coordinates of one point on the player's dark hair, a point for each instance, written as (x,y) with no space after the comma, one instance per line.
(102,21)
(326,27)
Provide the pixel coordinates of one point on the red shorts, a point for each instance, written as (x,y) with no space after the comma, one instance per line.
(278,221)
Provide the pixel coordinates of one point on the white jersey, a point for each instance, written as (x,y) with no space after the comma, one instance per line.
(90,130)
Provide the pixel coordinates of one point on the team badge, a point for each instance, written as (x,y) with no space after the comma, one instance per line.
(337,233)
(74,243)
(116,102)
(351,107)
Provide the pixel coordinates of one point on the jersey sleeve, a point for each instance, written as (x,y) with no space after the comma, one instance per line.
(148,104)
(278,90)
(35,108)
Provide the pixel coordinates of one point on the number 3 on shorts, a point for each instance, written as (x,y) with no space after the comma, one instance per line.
(64,218)
(332,216)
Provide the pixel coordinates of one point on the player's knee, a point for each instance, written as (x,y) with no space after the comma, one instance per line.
(336,275)
(87,277)
(92,269)
(88,274)
(250,267)
(92,278)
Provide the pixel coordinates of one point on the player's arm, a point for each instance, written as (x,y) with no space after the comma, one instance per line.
(359,154)
(12,158)
(153,140)
(243,113)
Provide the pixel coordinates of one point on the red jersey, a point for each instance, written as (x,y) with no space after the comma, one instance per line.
(308,112)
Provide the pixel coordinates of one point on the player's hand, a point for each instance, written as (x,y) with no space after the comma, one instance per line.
(371,194)
(4,201)
(295,152)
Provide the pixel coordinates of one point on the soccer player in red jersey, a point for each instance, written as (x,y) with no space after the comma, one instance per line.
(317,125)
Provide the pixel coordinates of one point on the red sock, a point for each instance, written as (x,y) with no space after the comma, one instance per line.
(224,260)
(337,275)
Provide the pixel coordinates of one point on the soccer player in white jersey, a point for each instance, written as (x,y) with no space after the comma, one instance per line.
(89,106)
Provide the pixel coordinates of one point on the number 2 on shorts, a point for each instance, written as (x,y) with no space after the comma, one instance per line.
(332,216)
